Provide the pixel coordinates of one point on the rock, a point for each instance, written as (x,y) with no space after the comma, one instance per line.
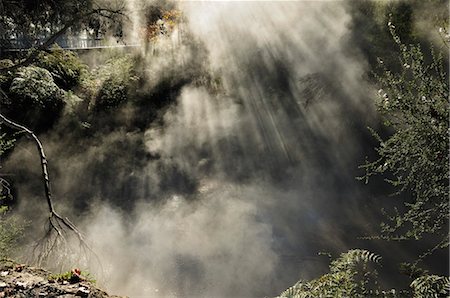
(25,281)
(22,285)
(83,292)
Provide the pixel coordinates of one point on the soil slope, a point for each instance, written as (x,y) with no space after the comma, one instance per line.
(18,280)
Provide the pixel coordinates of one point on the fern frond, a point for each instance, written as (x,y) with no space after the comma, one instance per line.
(350,259)
(431,286)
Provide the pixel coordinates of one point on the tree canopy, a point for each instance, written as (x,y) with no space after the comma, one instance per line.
(34,21)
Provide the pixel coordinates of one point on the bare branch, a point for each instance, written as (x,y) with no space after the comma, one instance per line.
(44,162)
(56,223)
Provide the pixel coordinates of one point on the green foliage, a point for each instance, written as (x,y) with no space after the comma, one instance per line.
(108,85)
(65,67)
(369,30)
(11,230)
(35,86)
(350,259)
(72,276)
(5,191)
(66,276)
(414,159)
(71,101)
(351,276)
(432,286)
(5,143)
(36,101)
(32,21)
(415,20)
(34,18)
(5,78)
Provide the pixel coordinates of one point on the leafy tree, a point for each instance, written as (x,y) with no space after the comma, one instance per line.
(413,103)
(414,159)
(41,23)
(34,21)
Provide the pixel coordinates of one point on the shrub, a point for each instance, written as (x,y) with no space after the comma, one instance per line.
(65,66)
(36,99)
(108,86)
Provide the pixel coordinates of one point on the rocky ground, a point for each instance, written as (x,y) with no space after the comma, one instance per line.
(18,280)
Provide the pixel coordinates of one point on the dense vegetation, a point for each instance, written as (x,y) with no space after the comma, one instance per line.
(353,275)
(413,102)
(411,155)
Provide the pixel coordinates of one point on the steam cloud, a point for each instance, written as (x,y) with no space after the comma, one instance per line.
(233,192)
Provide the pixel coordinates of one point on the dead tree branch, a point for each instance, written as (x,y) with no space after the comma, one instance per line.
(45,177)
(57,225)
(44,162)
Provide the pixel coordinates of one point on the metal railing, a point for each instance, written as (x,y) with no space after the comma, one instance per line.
(19,44)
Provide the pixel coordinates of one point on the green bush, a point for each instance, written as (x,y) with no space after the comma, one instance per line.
(71,102)
(111,94)
(109,85)
(36,100)
(35,86)
(65,66)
